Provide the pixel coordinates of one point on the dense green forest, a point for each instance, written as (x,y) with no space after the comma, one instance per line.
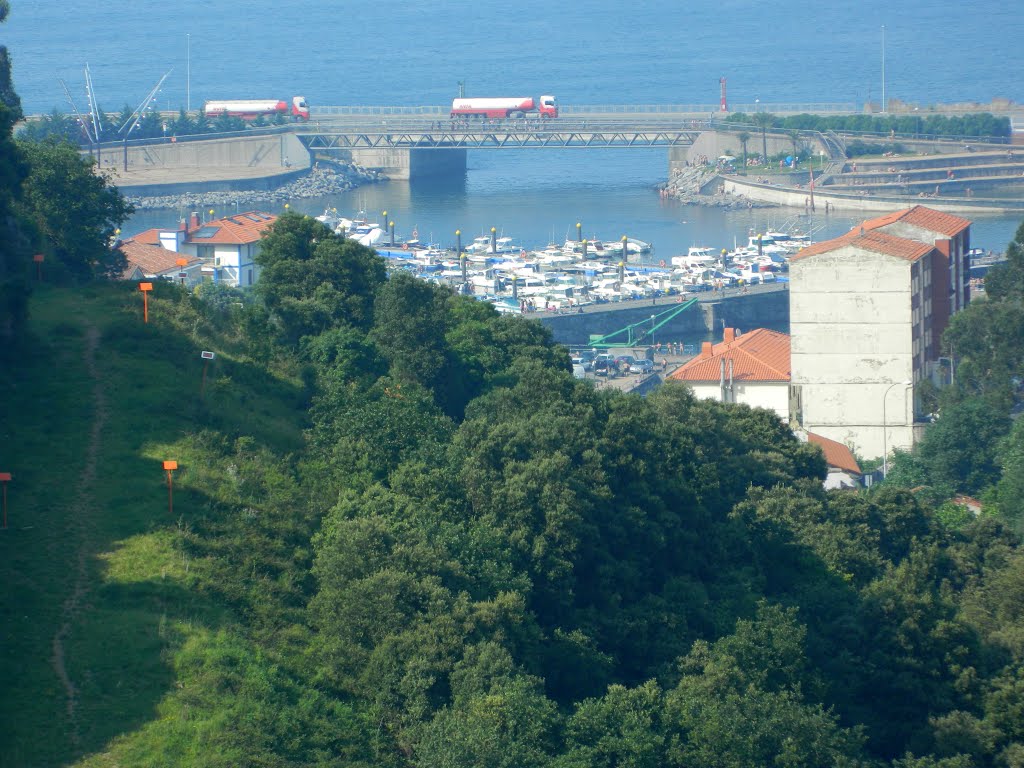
(402,534)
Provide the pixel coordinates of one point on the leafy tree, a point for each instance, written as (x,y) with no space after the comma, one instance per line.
(622,728)
(411,319)
(151,126)
(225,123)
(14,245)
(514,726)
(739,702)
(1010,489)
(182,125)
(73,210)
(313,280)
(57,126)
(915,657)
(1006,281)
(986,340)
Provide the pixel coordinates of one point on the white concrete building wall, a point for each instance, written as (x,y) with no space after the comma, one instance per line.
(236,265)
(851,328)
(771,395)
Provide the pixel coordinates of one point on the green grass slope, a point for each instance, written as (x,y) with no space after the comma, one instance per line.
(107,593)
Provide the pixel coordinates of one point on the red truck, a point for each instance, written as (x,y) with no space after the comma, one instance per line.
(517,107)
(250,109)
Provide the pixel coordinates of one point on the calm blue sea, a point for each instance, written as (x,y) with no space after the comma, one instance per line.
(585,52)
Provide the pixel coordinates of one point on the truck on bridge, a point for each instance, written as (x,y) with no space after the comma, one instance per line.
(250,109)
(515,107)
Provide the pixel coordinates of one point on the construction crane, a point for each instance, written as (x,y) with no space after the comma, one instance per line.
(639,332)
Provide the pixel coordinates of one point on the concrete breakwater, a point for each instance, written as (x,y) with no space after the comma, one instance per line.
(760,307)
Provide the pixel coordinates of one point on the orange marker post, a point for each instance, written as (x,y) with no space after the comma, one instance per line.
(182,263)
(145,288)
(170,466)
(38,259)
(5,478)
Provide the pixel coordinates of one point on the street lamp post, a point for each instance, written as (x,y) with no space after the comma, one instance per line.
(885,426)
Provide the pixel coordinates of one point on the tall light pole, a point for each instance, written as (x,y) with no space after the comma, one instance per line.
(885,426)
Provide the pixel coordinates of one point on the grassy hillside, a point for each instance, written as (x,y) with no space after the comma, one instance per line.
(104,588)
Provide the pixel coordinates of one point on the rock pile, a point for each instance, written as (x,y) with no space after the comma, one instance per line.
(686,183)
(324,178)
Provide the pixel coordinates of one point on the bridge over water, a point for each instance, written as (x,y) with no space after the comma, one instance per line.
(409,142)
(403,141)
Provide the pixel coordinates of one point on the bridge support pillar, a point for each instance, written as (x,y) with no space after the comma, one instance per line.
(677,158)
(412,164)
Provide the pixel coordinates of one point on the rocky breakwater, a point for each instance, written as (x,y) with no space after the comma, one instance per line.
(324,178)
(693,185)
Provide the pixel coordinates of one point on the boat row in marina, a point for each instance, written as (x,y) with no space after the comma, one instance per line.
(569,276)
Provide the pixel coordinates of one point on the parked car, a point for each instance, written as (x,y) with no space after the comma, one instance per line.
(585,358)
(625,362)
(605,365)
(642,366)
(578,371)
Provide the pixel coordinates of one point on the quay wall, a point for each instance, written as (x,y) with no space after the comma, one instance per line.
(800,198)
(283,151)
(765,308)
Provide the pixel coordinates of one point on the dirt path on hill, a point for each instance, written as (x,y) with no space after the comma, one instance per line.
(78,530)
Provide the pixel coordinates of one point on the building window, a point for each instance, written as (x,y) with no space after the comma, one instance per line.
(249,276)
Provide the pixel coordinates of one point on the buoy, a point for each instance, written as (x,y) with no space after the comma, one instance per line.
(415,235)
(405,246)
(662,262)
(522,254)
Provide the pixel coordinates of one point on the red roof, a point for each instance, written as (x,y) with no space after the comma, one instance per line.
(869,240)
(152,259)
(920,216)
(836,454)
(239,229)
(760,355)
(150,237)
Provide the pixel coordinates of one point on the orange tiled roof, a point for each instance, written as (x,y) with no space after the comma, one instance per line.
(836,454)
(239,229)
(759,355)
(150,237)
(152,259)
(869,240)
(921,216)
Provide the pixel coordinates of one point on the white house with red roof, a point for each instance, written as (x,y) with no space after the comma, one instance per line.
(866,313)
(227,246)
(750,368)
(754,369)
(843,470)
